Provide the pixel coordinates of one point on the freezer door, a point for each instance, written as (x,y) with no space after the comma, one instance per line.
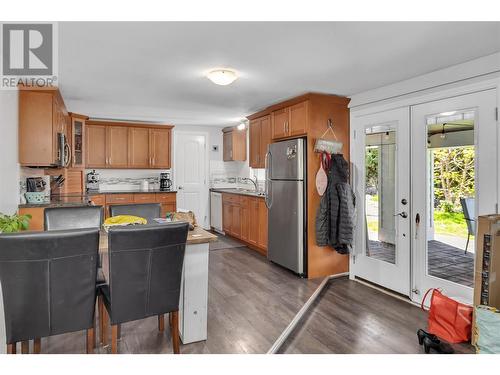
(286,160)
(286,225)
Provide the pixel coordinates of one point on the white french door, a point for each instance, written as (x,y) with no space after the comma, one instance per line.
(454,157)
(382,185)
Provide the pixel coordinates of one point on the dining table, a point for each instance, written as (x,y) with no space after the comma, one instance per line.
(193,302)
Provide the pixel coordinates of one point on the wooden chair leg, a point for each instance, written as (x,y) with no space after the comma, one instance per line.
(170,320)
(161,322)
(37,346)
(11,348)
(105,320)
(100,310)
(175,332)
(90,341)
(114,339)
(25,347)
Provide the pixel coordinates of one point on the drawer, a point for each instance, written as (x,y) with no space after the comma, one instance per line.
(98,200)
(145,198)
(165,197)
(231,198)
(119,198)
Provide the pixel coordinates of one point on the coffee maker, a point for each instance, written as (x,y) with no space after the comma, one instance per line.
(165,182)
(93,180)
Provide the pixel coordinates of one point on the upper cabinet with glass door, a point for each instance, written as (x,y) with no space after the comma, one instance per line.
(76,140)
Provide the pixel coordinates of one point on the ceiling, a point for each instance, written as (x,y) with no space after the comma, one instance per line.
(155,71)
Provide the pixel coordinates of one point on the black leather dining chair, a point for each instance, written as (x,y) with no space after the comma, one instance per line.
(148,211)
(145,268)
(48,284)
(58,218)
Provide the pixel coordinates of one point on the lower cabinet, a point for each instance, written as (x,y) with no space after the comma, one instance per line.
(167,200)
(245,218)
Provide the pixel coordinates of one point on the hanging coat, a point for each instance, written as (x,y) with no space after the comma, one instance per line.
(335,217)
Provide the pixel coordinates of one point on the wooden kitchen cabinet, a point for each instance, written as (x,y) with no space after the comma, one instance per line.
(290,121)
(259,139)
(245,218)
(128,145)
(234,145)
(76,139)
(280,120)
(262,220)
(96,146)
(168,202)
(253,226)
(298,119)
(37,217)
(139,151)
(160,148)
(42,115)
(117,146)
(98,200)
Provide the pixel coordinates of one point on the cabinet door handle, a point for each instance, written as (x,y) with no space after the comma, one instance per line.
(284,127)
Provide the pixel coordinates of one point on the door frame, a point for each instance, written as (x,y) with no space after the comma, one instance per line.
(206,190)
(385,274)
(413,98)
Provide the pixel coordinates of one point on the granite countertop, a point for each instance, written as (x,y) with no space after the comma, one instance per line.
(239,191)
(99,192)
(55,204)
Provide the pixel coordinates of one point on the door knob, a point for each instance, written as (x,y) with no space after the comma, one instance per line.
(403,214)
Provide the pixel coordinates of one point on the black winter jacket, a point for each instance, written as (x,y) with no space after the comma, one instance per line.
(335,217)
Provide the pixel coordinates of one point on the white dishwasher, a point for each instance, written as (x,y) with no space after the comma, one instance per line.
(216,211)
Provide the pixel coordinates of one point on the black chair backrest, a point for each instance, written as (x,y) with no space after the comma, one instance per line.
(48,282)
(145,268)
(58,218)
(147,211)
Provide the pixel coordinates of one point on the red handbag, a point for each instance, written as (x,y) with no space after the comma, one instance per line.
(448,319)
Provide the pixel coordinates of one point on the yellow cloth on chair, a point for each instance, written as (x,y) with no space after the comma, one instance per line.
(123,220)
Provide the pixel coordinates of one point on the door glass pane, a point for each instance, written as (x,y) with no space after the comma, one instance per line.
(451,221)
(380,192)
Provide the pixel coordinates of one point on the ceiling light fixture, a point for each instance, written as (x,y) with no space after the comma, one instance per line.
(222,77)
(241,126)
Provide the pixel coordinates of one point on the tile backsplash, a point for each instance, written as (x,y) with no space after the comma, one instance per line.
(127,179)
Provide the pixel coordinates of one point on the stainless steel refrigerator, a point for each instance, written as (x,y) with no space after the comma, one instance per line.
(286,203)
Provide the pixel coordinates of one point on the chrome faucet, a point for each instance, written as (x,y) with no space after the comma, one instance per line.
(253,181)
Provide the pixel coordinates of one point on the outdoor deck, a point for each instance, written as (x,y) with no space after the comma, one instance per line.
(445,261)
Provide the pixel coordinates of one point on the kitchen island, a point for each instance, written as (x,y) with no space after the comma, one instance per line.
(193,304)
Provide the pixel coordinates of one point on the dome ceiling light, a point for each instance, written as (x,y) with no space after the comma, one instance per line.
(222,77)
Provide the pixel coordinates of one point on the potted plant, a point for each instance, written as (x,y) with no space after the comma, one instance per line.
(14,223)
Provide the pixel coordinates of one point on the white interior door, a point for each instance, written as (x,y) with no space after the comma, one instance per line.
(190,174)
(454,155)
(382,159)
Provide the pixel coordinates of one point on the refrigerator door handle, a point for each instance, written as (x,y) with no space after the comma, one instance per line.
(267,181)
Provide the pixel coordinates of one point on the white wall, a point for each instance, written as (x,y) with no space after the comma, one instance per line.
(9,171)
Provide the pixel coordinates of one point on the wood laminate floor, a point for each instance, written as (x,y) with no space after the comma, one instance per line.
(251,301)
(350,317)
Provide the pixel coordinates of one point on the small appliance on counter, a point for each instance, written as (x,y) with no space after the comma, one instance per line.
(144,185)
(93,180)
(165,182)
(37,190)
